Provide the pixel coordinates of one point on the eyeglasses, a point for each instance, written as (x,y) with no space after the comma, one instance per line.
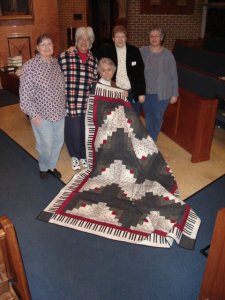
(84,39)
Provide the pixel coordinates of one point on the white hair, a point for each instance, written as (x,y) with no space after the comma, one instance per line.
(85,31)
(108,61)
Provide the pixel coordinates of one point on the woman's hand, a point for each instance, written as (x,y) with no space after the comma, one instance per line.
(173,100)
(70,49)
(125,93)
(141,98)
(18,72)
(36,121)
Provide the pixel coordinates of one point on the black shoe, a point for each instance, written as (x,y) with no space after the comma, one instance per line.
(44,174)
(55,173)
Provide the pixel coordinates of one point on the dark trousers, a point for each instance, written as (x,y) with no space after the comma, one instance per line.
(75,136)
(136,105)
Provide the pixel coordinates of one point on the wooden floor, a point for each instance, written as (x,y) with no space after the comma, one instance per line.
(190,177)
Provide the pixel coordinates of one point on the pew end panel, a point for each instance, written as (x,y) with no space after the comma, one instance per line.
(191,123)
(13,280)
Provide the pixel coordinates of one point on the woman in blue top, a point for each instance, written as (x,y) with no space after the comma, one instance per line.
(161,81)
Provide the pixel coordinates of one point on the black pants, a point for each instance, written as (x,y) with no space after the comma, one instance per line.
(136,105)
(75,136)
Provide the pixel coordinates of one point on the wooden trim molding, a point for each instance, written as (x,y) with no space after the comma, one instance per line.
(16,10)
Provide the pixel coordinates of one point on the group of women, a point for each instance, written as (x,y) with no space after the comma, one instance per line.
(147,75)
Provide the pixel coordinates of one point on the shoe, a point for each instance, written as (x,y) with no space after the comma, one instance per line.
(55,173)
(43,174)
(83,162)
(75,163)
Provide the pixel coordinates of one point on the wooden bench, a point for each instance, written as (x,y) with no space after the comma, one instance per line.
(203,84)
(10,82)
(213,286)
(190,123)
(13,281)
(201,60)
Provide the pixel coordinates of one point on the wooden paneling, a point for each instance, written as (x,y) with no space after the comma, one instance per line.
(190,123)
(10,82)
(213,284)
(45,20)
(13,281)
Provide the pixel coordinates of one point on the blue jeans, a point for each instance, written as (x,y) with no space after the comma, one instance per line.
(154,111)
(49,138)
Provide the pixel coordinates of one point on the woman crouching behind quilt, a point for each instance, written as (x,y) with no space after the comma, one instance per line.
(42,98)
(106,70)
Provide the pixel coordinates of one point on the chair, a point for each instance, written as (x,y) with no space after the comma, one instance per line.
(13,281)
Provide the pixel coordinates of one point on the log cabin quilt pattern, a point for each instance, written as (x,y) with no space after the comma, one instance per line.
(128,192)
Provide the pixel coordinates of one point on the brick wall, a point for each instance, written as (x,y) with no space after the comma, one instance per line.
(66,11)
(46,19)
(175,26)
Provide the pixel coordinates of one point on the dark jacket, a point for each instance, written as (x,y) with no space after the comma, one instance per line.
(134,64)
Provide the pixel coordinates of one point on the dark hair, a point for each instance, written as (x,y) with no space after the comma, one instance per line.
(44,36)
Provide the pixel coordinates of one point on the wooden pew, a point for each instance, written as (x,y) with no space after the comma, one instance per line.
(190,123)
(10,82)
(13,281)
(201,60)
(213,286)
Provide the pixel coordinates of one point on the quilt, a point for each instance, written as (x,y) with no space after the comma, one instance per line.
(128,192)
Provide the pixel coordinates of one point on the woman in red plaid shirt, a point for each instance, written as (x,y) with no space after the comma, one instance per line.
(80,72)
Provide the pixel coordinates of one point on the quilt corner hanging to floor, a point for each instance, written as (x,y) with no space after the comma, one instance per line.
(128,193)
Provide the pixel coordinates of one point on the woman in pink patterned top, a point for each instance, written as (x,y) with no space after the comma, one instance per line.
(42,98)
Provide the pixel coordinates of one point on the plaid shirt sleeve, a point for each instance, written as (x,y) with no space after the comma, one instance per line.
(79,79)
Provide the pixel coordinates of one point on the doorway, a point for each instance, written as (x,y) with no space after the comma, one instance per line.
(101,16)
(214,11)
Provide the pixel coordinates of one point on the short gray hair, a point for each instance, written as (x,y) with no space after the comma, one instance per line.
(108,61)
(159,29)
(81,31)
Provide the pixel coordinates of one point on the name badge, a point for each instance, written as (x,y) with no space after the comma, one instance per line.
(133,63)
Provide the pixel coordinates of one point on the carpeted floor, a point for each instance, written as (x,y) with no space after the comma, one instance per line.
(7,98)
(67,264)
